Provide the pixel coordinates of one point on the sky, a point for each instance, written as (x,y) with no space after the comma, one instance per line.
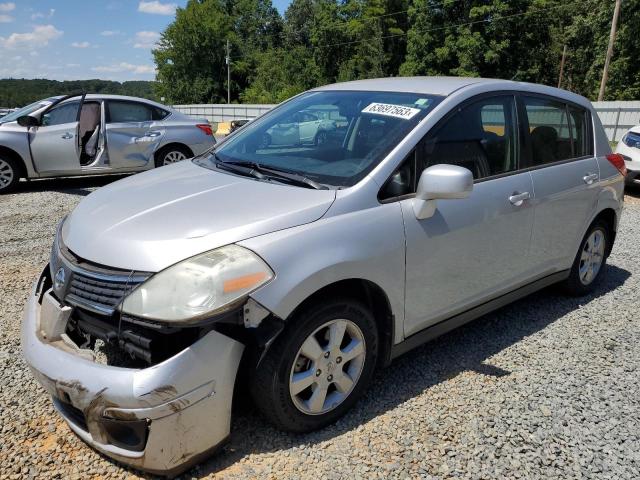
(83,39)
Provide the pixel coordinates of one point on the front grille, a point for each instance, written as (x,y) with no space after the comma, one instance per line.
(94,287)
(101,294)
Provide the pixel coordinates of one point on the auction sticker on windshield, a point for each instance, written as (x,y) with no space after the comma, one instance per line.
(397,111)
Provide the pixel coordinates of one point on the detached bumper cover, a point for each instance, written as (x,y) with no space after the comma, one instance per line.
(161,419)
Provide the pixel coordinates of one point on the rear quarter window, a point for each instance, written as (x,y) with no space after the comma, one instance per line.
(126,112)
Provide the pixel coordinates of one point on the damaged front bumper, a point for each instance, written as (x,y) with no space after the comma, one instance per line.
(161,419)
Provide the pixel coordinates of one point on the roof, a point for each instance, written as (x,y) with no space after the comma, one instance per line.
(445,86)
(107,96)
(426,85)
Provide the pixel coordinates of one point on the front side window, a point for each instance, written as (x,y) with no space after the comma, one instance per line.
(128,112)
(480,136)
(331,137)
(548,129)
(61,114)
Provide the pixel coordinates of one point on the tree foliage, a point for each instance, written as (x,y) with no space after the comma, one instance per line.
(323,41)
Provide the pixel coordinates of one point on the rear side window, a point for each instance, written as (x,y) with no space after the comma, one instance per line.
(580,132)
(158,113)
(126,112)
(61,114)
(480,136)
(548,129)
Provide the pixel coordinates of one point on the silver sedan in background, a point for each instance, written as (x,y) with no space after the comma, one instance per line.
(95,134)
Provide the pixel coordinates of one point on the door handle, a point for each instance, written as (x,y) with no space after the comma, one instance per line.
(589,178)
(152,134)
(67,136)
(518,199)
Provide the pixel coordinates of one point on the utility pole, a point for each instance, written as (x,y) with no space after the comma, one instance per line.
(228,59)
(564,57)
(607,60)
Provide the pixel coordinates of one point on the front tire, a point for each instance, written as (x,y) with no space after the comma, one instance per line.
(589,265)
(318,367)
(9,174)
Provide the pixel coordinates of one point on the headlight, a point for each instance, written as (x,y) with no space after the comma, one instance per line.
(55,248)
(631,139)
(199,286)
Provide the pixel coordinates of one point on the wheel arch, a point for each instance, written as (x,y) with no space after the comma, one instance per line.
(610,218)
(15,156)
(168,146)
(371,295)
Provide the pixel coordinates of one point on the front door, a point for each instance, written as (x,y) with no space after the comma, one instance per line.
(474,249)
(55,146)
(132,136)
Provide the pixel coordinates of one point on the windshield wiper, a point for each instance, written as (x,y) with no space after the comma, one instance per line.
(258,171)
(242,169)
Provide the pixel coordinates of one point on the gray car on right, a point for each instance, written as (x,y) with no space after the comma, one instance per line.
(308,264)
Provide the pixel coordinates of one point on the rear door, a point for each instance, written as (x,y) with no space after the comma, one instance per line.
(55,146)
(565,177)
(132,135)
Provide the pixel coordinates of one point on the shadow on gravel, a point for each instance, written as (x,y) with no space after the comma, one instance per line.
(460,350)
(82,186)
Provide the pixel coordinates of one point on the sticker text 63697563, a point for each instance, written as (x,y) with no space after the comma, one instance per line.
(397,111)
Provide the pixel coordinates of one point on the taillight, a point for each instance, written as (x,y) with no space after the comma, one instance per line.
(206,128)
(617,161)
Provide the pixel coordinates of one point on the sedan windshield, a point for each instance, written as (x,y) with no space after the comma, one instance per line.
(12,117)
(333,138)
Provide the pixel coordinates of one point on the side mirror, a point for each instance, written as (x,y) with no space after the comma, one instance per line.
(441,182)
(28,121)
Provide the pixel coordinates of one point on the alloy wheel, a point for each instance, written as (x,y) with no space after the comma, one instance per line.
(6,174)
(173,157)
(591,257)
(327,367)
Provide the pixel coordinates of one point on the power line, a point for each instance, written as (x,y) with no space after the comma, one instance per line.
(457,25)
(376,17)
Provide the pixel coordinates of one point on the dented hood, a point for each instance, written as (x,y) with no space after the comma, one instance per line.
(152,220)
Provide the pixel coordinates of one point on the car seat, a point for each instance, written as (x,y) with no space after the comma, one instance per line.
(544,143)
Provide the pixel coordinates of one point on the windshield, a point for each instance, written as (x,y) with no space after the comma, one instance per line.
(12,117)
(331,137)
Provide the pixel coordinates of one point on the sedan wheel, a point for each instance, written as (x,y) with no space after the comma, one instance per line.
(592,257)
(589,264)
(173,156)
(9,174)
(327,366)
(319,365)
(6,174)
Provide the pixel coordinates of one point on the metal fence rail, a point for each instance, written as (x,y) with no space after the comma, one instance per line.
(616,117)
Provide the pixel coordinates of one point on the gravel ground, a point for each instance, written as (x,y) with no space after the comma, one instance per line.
(545,388)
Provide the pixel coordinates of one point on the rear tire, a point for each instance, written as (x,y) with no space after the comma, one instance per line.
(589,265)
(9,173)
(318,367)
(172,154)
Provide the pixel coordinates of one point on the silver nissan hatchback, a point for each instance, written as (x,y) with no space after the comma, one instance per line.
(306,263)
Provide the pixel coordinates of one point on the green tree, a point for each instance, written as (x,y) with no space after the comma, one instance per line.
(280,74)
(587,37)
(482,38)
(190,57)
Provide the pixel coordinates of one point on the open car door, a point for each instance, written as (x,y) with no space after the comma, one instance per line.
(55,145)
